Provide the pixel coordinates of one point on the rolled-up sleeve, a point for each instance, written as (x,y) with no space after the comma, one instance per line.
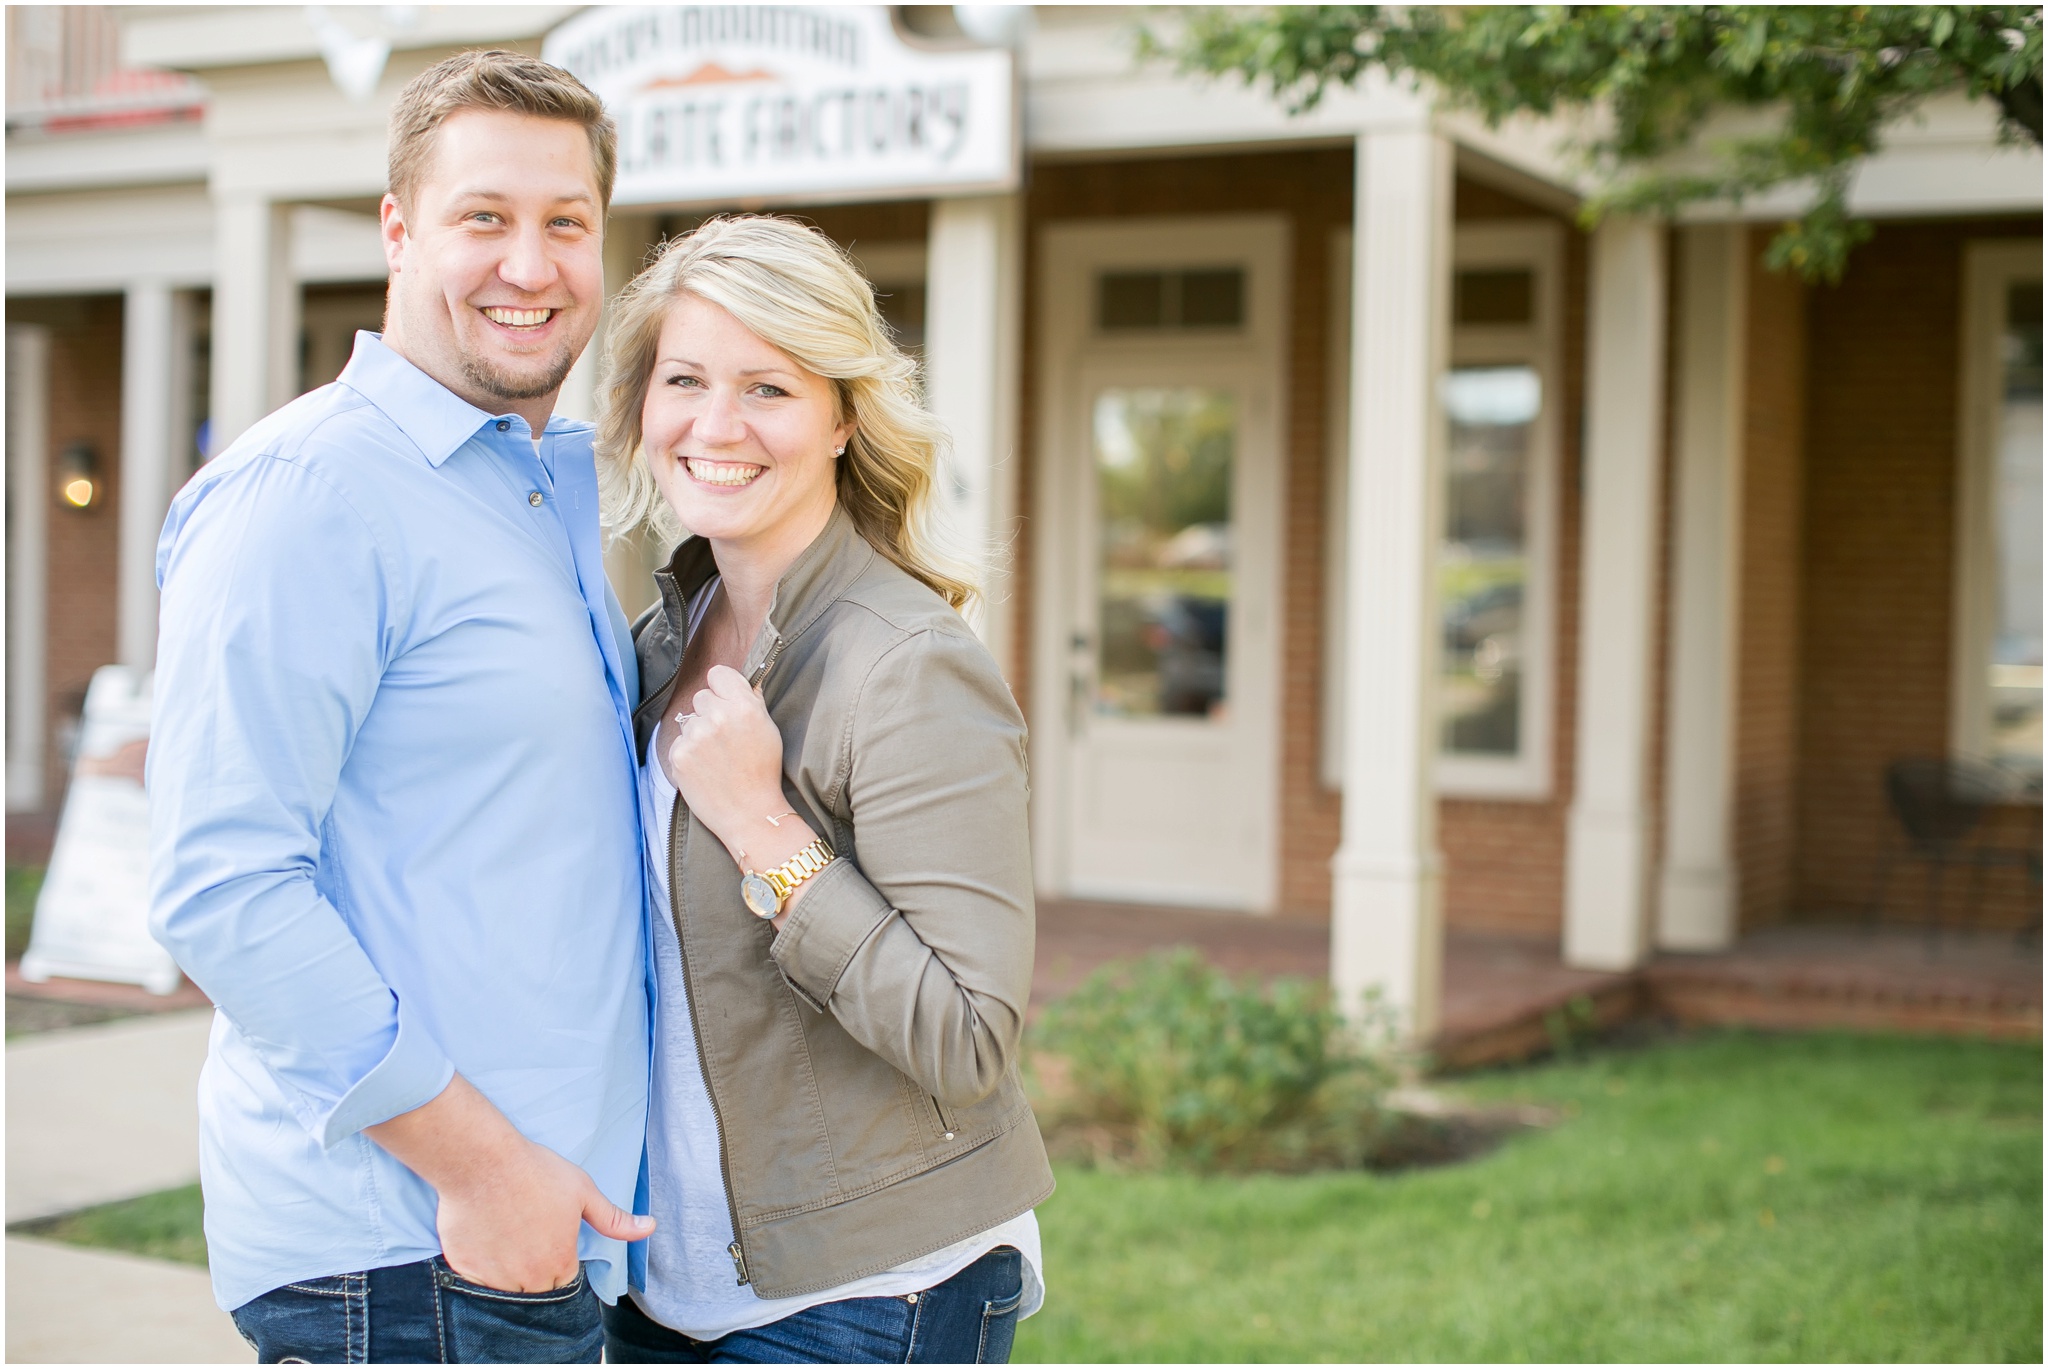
(923,951)
(279,616)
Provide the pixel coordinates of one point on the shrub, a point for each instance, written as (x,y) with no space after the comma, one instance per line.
(1169,1062)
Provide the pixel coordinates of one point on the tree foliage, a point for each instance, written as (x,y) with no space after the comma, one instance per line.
(1826,80)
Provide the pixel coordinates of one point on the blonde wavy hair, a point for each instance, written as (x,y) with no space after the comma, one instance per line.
(796,290)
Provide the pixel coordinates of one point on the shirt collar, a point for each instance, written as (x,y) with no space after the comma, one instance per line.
(425,410)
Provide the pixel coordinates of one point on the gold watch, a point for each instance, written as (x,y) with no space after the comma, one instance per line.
(764,892)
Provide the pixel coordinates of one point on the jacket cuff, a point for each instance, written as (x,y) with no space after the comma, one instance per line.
(834,920)
(411,1074)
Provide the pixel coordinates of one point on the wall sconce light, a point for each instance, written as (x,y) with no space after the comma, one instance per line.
(78,481)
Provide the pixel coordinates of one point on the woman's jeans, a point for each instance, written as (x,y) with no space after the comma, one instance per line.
(971,1318)
(421,1313)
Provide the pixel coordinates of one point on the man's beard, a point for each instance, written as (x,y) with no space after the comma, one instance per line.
(499,385)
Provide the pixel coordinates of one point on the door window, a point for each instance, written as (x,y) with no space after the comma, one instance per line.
(1163,466)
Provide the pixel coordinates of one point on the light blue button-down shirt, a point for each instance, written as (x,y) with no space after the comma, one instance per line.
(395,831)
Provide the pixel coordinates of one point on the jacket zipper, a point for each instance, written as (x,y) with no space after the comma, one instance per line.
(761,670)
(678,817)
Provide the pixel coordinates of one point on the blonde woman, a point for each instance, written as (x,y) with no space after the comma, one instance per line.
(842,1164)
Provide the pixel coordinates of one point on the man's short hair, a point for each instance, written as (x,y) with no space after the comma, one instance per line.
(494,79)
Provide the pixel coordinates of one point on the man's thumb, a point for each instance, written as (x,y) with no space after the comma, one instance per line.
(606,1219)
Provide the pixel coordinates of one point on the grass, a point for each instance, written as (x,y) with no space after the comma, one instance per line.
(164,1225)
(24,882)
(1726,1197)
(1722,1197)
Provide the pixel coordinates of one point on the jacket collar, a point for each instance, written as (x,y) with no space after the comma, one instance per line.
(819,575)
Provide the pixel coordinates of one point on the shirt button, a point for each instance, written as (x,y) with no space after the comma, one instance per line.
(534,499)
(504,425)
(949,1136)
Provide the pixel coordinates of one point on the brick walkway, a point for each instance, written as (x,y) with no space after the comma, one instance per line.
(1504,995)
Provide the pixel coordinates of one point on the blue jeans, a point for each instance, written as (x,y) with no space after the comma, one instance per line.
(971,1318)
(421,1313)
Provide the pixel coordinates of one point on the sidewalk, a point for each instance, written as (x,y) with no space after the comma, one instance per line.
(100,1113)
(96,1114)
(70,1305)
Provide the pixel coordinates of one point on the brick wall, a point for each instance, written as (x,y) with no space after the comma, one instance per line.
(1769,592)
(1879,544)
(85,405)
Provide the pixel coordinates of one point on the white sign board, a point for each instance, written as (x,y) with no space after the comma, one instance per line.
(722,103)
(92,917)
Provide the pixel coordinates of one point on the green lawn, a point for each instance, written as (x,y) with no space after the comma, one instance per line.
(1723,1197)
(1727,1197)
(24,882)
(165,1225)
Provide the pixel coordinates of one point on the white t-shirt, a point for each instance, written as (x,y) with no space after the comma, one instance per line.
(690,1282)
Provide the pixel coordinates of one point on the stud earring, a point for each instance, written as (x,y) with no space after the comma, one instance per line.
(839,451)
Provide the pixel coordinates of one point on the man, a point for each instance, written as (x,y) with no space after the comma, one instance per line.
(395,836)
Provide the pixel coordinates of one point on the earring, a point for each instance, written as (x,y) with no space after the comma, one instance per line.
(839,450)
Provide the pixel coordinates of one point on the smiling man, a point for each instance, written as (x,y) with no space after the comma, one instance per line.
(395,835)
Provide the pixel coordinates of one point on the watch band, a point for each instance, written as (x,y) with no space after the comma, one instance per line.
(785,877)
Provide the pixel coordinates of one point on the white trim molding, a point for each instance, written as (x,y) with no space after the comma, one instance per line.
(1990,268)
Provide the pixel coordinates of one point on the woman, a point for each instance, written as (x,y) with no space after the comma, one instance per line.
(841,1160)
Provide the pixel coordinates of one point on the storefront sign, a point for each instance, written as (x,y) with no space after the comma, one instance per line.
(722,103)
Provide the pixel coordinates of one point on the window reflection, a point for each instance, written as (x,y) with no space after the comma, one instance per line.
(1163,460)
(1492,411)
(2016,647)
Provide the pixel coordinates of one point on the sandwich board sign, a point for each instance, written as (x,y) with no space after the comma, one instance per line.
(742,103)
(92,917)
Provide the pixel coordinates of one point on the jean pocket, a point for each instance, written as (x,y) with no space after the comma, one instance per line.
(998,1329)
(446,1277)
(332,1286)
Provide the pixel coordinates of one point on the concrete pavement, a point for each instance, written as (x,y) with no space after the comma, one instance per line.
(104,1112)
(96,1114)
(70,1305)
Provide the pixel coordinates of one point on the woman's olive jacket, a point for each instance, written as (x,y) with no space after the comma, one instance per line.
(862,1062)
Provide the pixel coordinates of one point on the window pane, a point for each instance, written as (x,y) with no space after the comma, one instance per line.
(1163,460)
(2016,645)
(1212,299)
(1170,299)
(1132,299)
(1492,411)
(1494,296)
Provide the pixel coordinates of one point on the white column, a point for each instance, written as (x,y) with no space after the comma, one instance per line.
(255,314)
(28,513)
(149,351)
(973,325)
(629,560)
(1386,930)
(1607,879)
(1698,902)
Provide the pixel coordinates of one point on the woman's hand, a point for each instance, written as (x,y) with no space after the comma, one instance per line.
(726,762)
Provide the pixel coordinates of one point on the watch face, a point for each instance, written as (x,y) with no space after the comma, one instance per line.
(760,897)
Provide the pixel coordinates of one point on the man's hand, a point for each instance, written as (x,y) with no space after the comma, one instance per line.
(510,1211)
